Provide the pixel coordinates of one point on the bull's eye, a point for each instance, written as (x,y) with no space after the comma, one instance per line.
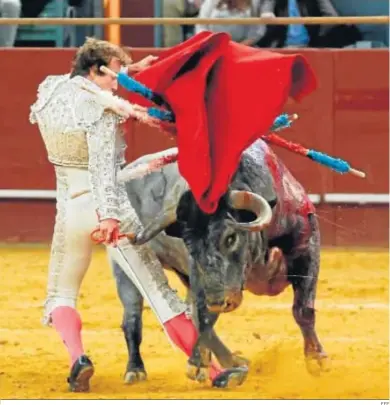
(230,240)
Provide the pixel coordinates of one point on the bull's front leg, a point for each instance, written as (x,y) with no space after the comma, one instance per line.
(208,343)
(225,357)
(132,302)
(305,270)
(200,359)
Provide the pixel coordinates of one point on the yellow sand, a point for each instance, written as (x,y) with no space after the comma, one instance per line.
(352,323)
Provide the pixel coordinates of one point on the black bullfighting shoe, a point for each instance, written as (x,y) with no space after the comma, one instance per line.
(80,374)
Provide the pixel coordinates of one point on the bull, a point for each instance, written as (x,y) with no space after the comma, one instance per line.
(263,237)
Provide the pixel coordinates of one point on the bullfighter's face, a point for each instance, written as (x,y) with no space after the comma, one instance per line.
(106,81)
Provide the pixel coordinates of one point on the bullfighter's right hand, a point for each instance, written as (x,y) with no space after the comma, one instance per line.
(109,230)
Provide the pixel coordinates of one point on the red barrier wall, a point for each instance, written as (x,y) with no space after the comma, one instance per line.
(347,117)
(137,35)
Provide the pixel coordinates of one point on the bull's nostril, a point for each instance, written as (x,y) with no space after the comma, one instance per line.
(230,305)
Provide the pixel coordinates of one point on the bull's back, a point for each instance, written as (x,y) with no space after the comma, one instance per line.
(293,203)
(149,196)
(289,190)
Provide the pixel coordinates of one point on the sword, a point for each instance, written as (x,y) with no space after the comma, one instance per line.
(117,254)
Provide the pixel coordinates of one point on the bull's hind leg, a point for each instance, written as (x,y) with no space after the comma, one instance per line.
(305,271)
(132,302)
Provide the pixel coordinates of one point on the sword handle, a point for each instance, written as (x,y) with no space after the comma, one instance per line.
(98,239)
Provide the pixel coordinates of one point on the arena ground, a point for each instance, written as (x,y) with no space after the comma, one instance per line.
(352,322)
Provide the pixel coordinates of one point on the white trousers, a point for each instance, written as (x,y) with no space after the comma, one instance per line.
(71,250)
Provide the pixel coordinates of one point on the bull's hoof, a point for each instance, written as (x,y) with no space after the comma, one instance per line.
(317,364)
(196,373)
(233,377)
(135,375)
(239,361)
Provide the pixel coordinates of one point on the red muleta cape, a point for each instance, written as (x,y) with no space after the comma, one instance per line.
(224,96)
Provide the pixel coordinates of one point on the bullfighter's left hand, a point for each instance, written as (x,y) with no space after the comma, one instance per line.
(143,63)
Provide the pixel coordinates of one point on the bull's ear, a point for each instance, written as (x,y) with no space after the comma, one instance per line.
(185,207)
(189,215)
(273,202)
(175,230)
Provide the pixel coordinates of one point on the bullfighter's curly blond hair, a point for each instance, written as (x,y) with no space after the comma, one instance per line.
(96,52)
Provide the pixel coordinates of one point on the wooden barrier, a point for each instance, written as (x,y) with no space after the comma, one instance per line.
(193,21)
(347,116)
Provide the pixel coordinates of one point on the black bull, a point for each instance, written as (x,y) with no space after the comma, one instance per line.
(259,239)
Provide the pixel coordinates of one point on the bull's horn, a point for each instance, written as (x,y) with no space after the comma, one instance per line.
(245,200)
(154,228)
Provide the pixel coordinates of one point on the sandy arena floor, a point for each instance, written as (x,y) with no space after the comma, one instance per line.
(352,323)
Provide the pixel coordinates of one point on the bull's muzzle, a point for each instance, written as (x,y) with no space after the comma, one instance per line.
(231,301)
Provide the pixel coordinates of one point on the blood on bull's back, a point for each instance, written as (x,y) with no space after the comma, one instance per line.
(293,203)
